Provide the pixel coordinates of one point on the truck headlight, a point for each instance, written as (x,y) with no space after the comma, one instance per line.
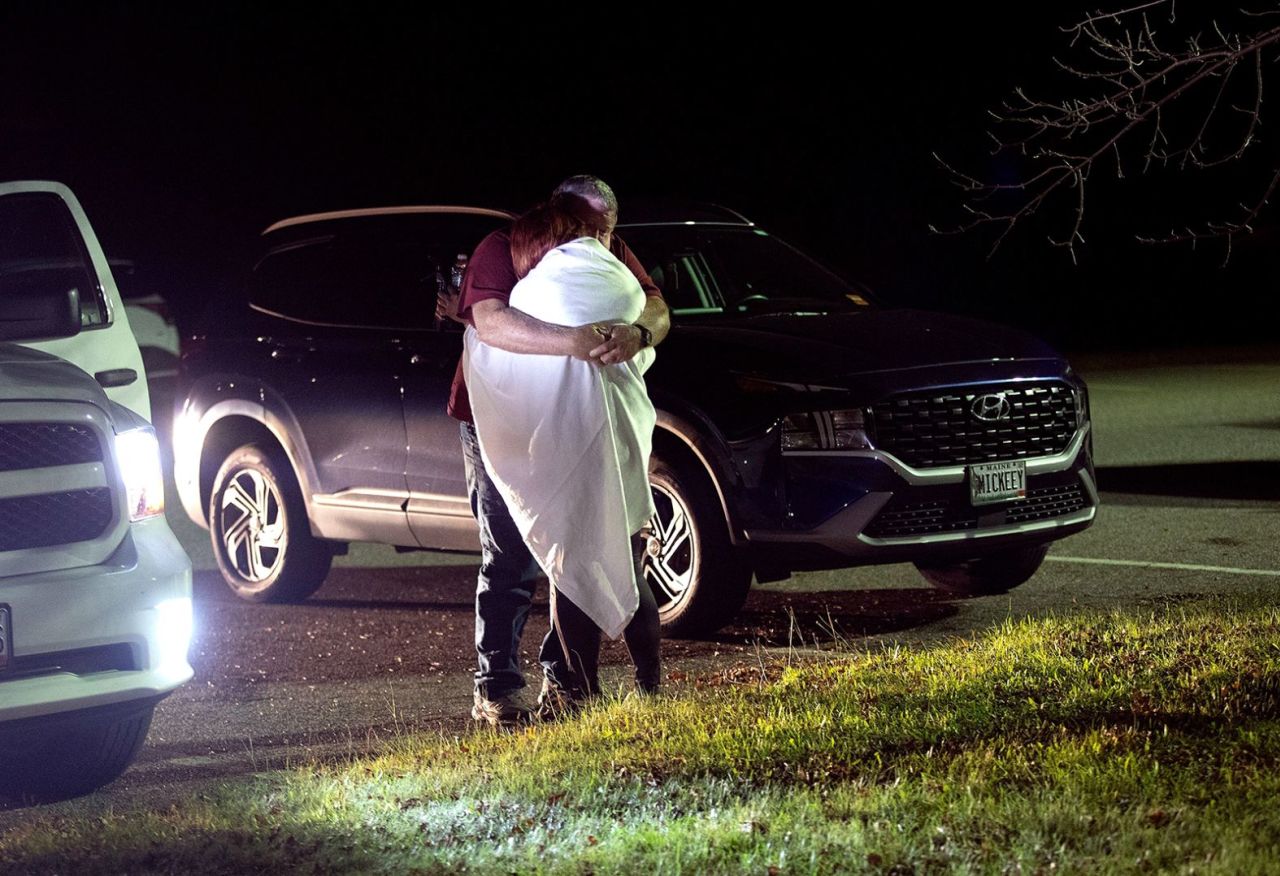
(138,454)
(825,430)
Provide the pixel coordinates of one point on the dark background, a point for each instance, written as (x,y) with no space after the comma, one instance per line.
(187,130)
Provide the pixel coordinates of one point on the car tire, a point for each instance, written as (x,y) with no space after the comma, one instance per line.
(261,535)
(699,579)
(992,573)
(76,756)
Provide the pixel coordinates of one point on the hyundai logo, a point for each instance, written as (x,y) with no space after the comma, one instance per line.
(991,408)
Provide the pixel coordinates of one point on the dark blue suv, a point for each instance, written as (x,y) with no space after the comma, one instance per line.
(800,426)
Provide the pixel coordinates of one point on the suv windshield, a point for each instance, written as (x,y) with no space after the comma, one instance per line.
(736,270)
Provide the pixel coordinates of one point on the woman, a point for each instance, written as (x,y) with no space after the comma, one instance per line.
(568,441)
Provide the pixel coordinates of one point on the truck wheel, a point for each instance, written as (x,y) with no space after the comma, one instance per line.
(699,578)
(261,535)
(74,758)
(994,573)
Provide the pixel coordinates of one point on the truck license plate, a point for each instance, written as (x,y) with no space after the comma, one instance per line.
(991,482)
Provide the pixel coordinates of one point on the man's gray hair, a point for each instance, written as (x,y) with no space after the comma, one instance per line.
(592,188)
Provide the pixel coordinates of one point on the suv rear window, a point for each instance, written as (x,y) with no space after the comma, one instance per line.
(370,272)
(40,248)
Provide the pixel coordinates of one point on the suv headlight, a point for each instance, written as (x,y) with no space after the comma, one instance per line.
(138,454)
(825,430)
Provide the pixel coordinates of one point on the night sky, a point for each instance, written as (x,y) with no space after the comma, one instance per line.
(185,131)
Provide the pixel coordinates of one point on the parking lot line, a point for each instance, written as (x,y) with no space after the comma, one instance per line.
(1188,567)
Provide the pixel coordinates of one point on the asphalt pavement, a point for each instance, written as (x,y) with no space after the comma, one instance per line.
(1188,448)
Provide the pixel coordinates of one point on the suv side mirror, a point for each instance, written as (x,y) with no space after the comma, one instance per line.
(38,313)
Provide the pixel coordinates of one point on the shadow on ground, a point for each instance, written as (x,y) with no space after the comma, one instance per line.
(1241,481)
(774,619)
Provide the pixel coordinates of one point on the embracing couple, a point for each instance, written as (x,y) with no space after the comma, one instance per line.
(557,429)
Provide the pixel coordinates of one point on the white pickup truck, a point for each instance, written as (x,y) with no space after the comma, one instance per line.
(95,591)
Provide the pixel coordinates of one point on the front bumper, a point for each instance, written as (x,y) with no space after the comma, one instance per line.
(871,508)
(94,636)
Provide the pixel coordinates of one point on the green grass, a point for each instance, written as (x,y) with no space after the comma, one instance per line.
(1125,743)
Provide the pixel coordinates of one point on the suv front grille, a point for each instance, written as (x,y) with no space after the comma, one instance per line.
(41,445)
(910,519)
(54,518)
(935,429)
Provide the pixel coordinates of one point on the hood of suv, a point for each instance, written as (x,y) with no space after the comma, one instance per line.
(821,347)
(27,374)
(744,372)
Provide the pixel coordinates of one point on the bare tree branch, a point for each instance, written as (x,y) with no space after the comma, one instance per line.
(1195,111)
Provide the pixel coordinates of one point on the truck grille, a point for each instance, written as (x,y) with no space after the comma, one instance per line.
(54,518)
(41,445)
(910,519)
(935,429)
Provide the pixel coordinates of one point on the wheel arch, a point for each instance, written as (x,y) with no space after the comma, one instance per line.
(233,430)
(678,440)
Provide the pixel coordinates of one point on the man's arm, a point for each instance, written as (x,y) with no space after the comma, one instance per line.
(515,331)
(625,341)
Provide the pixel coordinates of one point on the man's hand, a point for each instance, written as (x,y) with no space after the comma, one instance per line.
(586,340)
(447,304)
(621,344)
(624,341)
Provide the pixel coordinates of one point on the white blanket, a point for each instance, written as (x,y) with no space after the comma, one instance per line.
(567,442)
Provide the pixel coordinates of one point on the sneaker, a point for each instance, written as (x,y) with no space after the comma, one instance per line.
(555,702)
(502,711)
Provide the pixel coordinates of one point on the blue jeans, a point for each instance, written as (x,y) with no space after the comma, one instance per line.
(508,576)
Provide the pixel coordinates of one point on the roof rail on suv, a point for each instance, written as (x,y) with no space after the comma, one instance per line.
(680,213)
(383,211)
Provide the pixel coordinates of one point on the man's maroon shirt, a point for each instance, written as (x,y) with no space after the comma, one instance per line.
(492,274)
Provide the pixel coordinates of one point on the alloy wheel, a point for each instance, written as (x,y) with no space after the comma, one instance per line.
(253,534)
(672,554)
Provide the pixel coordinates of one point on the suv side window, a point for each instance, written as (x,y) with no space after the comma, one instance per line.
(40,248)
(347,280)
(687,283)
(682,262)
(379,272)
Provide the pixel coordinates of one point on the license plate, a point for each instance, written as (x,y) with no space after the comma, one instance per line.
(6,637)
(992,482)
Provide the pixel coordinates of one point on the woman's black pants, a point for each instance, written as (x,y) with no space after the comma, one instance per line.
(580,637)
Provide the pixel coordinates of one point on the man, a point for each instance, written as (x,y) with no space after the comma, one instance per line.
(504,588)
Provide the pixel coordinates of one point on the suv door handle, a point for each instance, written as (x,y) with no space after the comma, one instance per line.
(415,359)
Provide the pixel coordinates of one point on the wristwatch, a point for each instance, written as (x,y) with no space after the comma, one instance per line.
(646,336)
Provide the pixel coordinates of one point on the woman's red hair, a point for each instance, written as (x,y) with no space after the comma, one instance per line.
(549,224)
